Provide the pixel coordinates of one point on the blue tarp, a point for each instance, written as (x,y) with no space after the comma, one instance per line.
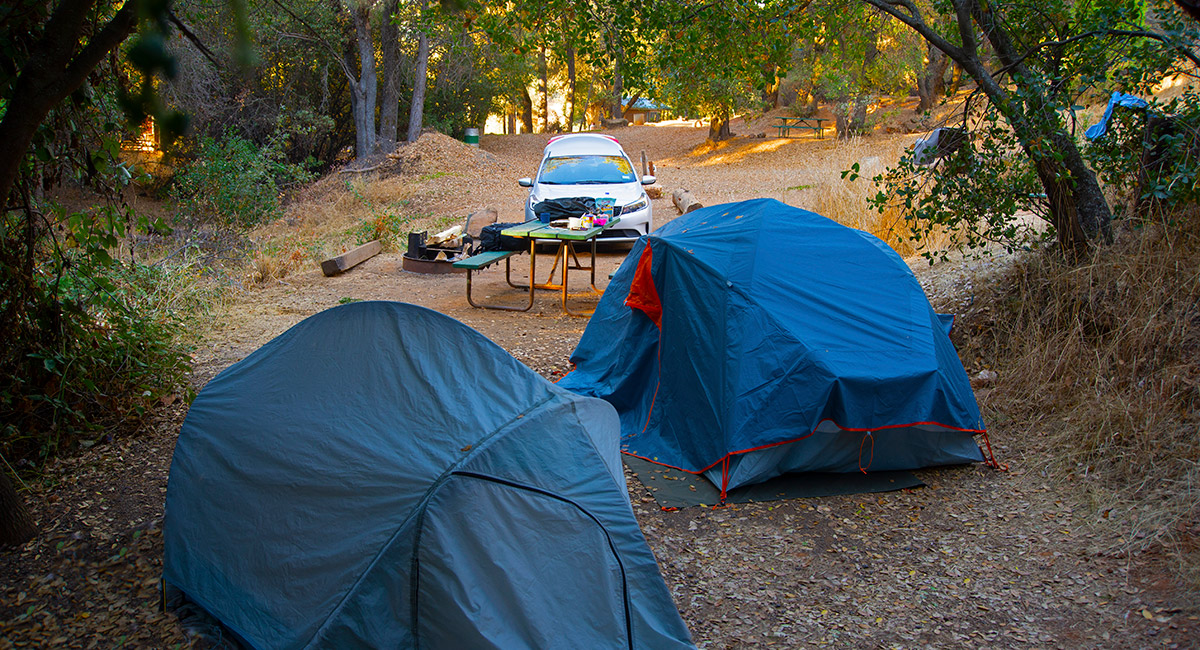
(383,476)
(1117,99)
(752,339)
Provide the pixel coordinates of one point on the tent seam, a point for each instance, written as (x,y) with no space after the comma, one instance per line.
(419,513)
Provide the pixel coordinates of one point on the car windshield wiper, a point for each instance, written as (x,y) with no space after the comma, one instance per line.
(592,183)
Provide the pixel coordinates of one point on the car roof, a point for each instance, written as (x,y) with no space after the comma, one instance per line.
(583,143)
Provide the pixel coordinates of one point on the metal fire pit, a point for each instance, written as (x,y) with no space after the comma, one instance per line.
(420,258)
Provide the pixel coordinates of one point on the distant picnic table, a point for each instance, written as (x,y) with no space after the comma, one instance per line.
(785,125)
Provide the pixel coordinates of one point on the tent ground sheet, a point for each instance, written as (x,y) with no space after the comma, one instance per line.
(672,488)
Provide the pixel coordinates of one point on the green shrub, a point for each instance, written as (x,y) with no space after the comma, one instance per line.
(389,227)
(235,182)
(100,343)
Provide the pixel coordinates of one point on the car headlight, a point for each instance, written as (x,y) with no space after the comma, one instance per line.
(635,206)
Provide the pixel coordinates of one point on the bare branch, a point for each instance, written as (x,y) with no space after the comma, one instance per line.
(911,16)
(1183,51)
(187,33)
(316,36)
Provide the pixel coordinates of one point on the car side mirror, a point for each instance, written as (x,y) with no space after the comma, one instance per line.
(525,182)
(649,180)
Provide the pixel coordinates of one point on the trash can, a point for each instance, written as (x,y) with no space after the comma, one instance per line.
(471,137)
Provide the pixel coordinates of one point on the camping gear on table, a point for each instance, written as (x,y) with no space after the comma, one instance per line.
(606,206)
(751,339)
(552,209)
(490,239)
(381,475)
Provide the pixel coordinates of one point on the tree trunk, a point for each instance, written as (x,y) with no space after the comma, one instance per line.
(955,79)
(510,121)
(850,118)
(16,524)
(629,106)
(850,114)
(616,110)
(416,111)
(543,87)
(366,85)
(526,111)
(770,94)
(58,64)
(718,129)
(587,103)
(931,85)
(570,88)
(1078,209)
(389,95)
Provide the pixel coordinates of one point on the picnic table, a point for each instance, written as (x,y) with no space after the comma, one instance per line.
(785,125)
(565,254)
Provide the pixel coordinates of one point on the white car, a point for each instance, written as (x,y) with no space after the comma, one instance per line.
(593,165)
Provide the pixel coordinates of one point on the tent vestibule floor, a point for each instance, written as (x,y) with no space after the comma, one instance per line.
(672,488)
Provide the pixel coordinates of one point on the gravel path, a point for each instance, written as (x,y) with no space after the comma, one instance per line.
(977,558)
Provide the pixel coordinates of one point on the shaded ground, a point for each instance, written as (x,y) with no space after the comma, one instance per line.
(978,558)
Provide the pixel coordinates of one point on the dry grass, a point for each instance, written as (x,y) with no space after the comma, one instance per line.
(422,186)
(1102,361)
(846,201)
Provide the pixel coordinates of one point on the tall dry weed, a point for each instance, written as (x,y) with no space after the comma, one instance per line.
(1101,362)
(846,201)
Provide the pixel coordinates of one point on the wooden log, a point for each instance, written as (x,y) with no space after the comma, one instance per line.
(654,191)
(444,236)
(684,201)
(346,261)
(645,168)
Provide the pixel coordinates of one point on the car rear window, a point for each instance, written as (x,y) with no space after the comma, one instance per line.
(586,170)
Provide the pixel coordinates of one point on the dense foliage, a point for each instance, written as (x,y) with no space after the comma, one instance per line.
(236,183)
(89,338)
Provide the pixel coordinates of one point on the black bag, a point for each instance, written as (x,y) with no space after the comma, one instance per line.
(490,239)
(552,209)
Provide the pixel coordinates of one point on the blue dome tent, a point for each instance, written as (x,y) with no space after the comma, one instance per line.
(381,475)
(747,340)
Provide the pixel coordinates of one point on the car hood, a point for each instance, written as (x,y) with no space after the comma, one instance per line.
(624,193)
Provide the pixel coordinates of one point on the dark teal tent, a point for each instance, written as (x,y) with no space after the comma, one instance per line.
(747,340)
(383,476)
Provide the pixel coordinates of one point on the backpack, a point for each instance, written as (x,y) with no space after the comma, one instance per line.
(490,239)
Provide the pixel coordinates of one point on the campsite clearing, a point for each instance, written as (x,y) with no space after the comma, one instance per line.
(978,558)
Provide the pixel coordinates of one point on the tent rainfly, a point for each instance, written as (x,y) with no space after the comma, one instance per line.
(381,475)
(746,340)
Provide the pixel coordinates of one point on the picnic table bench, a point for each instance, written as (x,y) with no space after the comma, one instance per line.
(480,261)
(785,125)
(536,232)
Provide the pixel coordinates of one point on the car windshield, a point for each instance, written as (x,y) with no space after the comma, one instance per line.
(586,170)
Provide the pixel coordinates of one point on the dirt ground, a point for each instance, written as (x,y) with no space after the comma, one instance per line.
(977,558)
